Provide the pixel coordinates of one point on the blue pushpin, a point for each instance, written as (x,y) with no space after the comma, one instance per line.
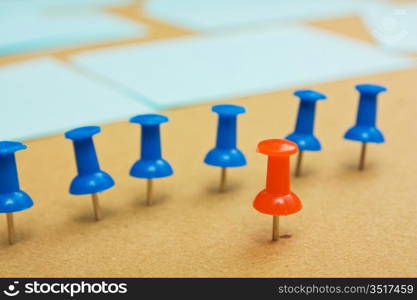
(365,129)
(12,198)
(151,164)
(226,154)
(90,179)
(303,135)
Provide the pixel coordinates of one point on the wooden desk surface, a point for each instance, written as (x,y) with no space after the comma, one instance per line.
(352,224)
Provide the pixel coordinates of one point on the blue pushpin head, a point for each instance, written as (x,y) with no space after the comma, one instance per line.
(12,199)
(90,178)
(226,154)
(365,129)
(303,135)
(151,164)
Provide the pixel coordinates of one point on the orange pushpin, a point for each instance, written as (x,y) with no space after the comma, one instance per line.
(277,199)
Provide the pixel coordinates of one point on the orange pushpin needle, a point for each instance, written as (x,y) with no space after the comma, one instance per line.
(277,199)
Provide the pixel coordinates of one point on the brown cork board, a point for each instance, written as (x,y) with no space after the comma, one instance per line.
(352,224)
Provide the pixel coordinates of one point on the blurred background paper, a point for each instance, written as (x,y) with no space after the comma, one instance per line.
(36,29)
(219,14)
(394,26)
(25,4)
(44,96)
(199,69)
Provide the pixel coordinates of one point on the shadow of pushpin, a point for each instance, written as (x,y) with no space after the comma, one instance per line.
(151,164)
(277,199)
(365,129)
(90,179)
(12,199)
(303,135)
(226,154)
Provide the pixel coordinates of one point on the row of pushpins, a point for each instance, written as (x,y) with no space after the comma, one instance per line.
(91,180)
(364,131)
(276,199)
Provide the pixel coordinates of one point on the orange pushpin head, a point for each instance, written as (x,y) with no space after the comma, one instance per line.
(277,199)
(276,147)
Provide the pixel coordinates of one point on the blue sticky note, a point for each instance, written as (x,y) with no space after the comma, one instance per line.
(394,26)
(39,29)
(52,4)
(219,14)
(211,67)
(44,96)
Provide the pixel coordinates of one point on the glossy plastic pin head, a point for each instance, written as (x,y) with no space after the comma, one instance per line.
(277,199)
(149,119)
(90,179)
(12,198)
(151,164)
(365,129)
(303,134)
(226,154)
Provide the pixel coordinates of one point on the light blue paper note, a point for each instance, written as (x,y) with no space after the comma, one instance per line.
(39,29)
(52,4)
(219,14)
(44,96)
(197,69)
(394,26)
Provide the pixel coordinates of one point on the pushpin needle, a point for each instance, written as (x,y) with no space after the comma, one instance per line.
(362,157)
(299,162)
(149,192)
(96,207)
(10,228)
(223,177)
(275,228)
